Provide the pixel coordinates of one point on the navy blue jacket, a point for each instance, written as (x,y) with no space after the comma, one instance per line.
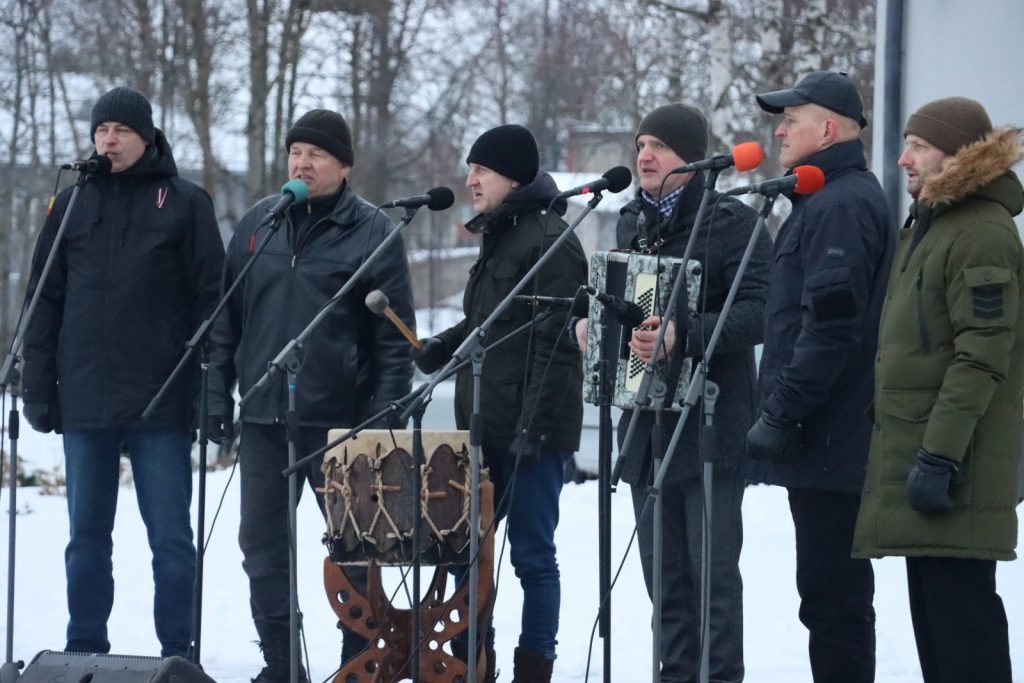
(827,284)
(137,270)
(354,363)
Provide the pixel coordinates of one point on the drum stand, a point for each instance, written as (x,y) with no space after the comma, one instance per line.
(394,634)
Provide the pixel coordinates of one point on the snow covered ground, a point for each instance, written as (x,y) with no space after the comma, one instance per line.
(775,641)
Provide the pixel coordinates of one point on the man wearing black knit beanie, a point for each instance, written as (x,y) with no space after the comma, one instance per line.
(659,223)
(942,471)
(137,271)
(531,393)
(353,364)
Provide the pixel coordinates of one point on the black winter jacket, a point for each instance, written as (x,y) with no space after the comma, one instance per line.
(354,362)
(520,393)
(136,272)
(831,264)
(723,237)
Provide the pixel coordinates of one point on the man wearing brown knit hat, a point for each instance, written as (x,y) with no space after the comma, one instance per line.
(941,480)
(659,222)
(353,364)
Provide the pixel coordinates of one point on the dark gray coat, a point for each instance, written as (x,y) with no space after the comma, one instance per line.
(725,231)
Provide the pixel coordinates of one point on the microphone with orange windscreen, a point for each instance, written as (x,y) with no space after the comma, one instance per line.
(746,156)
(803,180)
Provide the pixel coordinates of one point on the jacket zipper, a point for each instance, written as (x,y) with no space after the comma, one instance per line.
(921,322)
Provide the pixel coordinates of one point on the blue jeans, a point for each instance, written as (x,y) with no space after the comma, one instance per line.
(162,470)
(530,502)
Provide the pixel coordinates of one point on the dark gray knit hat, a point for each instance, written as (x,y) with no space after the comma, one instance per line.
(949,123)
(681,127)
(509,150)
(126,106)
(325,129)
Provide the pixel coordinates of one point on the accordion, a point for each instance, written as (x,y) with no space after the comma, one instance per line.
(647,281)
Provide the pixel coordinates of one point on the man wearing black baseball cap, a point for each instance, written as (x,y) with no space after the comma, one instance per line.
(825,293)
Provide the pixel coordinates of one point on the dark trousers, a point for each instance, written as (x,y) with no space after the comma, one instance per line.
(263,533)
(836,591)
(682,534)
(959,620)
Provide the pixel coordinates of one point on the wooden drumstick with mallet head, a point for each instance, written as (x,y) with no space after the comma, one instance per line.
(378,302)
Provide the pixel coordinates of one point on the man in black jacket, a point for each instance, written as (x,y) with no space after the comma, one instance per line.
(137,271)
(352,365)
(659,222)
(832,259)
(531,393)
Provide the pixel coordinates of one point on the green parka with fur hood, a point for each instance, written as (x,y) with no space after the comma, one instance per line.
(949,372)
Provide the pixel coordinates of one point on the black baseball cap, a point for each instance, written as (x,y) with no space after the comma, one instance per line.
(830,89)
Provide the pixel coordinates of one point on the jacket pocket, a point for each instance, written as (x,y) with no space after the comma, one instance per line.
(830,296)
(988,294)
(901,417)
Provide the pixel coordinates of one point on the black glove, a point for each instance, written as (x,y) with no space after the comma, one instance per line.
(773,438)
(929,482)
(219,428)
(44,417)
(431,357)
(525,450)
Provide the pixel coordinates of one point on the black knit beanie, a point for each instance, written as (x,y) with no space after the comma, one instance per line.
(949,123)
(127,106)
(681,127)
(325,129)
(509,150)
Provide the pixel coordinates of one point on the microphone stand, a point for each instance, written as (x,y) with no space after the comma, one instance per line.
(289,361)
(199,341)
(472,348)
(600,379)
(10,377)
(700,386)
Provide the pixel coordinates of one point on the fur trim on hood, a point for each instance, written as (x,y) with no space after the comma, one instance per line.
(974,166)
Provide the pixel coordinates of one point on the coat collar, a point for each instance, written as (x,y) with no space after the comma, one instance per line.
(973,167)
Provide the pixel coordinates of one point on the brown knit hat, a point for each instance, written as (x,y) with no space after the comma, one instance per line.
(949,123)
(681,127)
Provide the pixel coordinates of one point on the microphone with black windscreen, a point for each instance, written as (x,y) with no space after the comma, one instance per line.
(436,199)
(614,180)
(98,164)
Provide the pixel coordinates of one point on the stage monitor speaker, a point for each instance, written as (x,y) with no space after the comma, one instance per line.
(76,667)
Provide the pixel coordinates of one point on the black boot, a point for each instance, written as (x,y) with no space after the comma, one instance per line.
(531,667)
(276,653)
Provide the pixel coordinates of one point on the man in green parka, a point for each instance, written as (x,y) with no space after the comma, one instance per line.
(941,484)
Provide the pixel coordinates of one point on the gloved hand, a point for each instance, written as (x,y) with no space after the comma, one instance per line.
(44,417)
(431,357)
(773,438)
(929,482)
(525,450)
(219,428)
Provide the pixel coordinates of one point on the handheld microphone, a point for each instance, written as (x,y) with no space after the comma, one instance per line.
(97,164)
(615,180)
(803,180)
(378,302)
(745,156)
(291,192)
(436,199)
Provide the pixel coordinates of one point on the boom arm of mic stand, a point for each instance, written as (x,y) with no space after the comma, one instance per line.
(696,387)
(204,329)
(398,404)
(279,363)
(643,394)
(475,338)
